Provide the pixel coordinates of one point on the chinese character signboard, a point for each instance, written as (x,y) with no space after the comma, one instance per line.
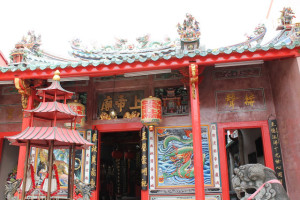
(94,152)
(240,100)
(278,166)
(125,104)
(144,158)
(237,73)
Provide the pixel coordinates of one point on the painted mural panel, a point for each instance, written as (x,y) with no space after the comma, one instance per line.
(252,99)
(174,157)
(61,160)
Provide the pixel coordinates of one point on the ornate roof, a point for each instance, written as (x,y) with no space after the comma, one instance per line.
(61,93)
(145,50)
(47,110)
(41,137)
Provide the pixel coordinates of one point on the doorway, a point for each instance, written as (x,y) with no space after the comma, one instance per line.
(243,146)
(242,143)
(120,166)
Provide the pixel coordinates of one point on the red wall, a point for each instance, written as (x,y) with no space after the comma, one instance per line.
(10,109)
(210,86)
(285,81)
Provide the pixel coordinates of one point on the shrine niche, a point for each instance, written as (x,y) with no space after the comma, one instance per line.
(119,105)
(174,100)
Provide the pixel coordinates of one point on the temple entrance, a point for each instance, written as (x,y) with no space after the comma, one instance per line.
(120,166)
(253,146)
(243,146)
(8,165)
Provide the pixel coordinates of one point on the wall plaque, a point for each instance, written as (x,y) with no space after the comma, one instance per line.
(125,104)
(244,100)
(237,73)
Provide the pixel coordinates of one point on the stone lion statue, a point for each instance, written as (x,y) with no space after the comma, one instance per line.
(247,179)
(84,189)
(11,188)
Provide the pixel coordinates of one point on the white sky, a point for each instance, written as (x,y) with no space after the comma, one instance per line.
(222,22)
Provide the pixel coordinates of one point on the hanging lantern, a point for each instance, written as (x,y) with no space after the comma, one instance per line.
(129,155)
(151,111)
(79,109)
(117,154)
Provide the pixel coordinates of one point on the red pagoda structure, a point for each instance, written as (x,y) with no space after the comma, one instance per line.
(52,137)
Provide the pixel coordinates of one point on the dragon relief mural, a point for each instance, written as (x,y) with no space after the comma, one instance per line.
(175,158)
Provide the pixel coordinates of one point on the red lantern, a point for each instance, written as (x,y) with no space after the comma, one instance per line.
(79,109)
(129,155)
(117,154)
(151,111)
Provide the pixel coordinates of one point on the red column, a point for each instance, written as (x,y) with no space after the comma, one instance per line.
(22,150)
(196,125)
(144,194)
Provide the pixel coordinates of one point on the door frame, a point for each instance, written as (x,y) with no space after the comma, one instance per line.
(109,128)
(265,134)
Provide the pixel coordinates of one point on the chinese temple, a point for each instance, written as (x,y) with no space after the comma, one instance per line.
(168,119)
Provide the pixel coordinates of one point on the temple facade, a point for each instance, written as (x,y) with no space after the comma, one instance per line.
(219,109)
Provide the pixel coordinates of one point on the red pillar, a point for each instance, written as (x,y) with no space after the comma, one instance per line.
(144,194)
(196,126)
(22,150)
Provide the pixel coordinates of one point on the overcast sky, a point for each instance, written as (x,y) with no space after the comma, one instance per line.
(222,22)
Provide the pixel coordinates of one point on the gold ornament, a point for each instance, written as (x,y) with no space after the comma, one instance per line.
(56,76)
(104,116)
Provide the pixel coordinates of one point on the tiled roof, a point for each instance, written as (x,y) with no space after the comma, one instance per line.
(39,63)
(123,52)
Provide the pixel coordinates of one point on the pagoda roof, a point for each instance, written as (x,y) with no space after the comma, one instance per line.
(47,110)
(41,136)
(55,87)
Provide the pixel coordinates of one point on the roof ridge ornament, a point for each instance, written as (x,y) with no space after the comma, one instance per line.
(189,30)
(287,16)
(56,76)
(189,33)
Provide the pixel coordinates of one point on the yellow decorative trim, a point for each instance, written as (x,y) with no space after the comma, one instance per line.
(193,80)
(24,89)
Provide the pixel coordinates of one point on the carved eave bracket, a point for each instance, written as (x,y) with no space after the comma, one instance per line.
(25,87)
(192,76)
